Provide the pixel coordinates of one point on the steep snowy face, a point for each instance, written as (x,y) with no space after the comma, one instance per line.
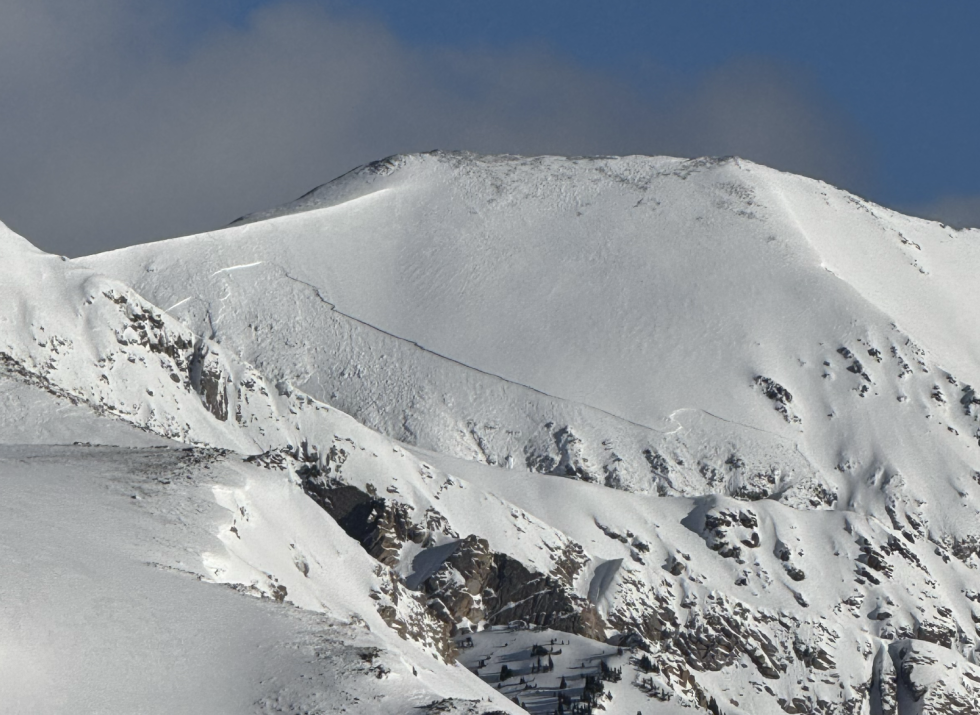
(655,324)
(85,355)
(582,277)
(798,432)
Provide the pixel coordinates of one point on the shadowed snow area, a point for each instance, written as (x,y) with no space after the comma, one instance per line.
(452,430)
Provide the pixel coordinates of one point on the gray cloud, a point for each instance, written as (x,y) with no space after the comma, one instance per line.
(114,130)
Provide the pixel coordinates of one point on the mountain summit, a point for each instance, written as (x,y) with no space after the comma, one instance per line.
(674,433)
(634,300)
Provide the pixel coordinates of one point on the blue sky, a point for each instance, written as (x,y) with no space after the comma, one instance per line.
(127,121)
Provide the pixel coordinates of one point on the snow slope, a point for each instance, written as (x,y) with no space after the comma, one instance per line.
(802,590)
(684,327)
(106,547)
(703,420)
(106,606)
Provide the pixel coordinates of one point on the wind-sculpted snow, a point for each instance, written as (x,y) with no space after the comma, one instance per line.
(110,558)
(641,434)
(423,399)
(652,324)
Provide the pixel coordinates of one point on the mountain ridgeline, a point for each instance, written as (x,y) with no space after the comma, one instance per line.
(653,433)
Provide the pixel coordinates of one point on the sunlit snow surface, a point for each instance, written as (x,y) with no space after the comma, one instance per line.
(116,594)
(638,299)
(698,411)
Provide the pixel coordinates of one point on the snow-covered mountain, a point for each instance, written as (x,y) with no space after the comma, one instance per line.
(699,433)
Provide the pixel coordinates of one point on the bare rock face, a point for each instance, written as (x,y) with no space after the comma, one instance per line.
(477,585)
(926,678)
(687,633)
(454,706)
(197,364)
(379,525)
(730,533)
(884,684)
(406,614)
(781,397)
(561,452)
(474,584)
(456,591)
(209,378)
